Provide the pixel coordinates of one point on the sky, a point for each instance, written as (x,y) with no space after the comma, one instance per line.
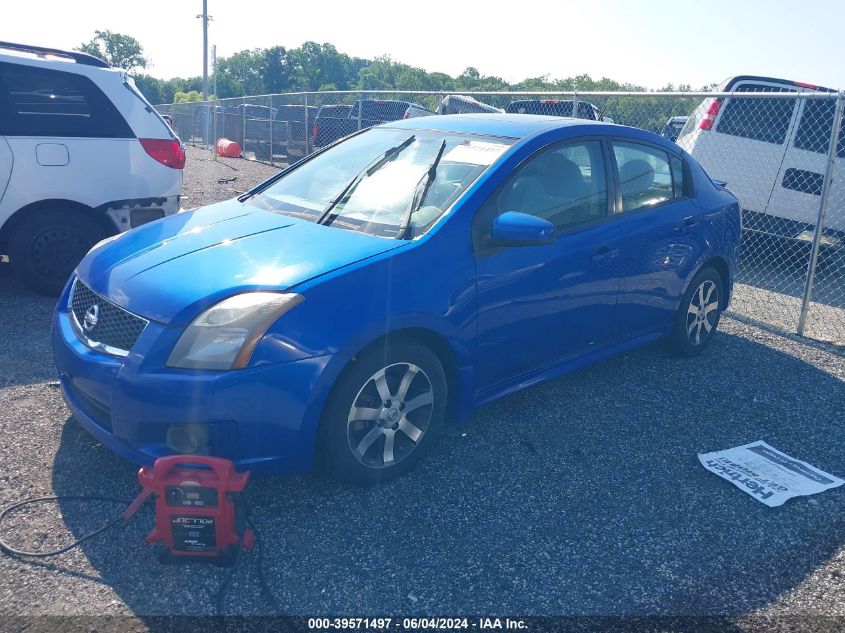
(644,42)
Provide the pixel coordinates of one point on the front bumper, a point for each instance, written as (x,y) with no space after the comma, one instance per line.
(263,418)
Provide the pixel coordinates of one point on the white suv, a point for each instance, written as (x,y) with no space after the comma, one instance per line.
(82,156)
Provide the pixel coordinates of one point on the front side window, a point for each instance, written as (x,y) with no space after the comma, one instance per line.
(44,102)
(565,184)
(386,182)
(647,176)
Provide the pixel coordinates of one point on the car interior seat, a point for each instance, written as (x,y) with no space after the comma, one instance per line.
(636,177)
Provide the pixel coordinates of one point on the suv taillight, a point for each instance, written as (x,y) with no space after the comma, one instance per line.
(166,151)
(314,132)
(710,116)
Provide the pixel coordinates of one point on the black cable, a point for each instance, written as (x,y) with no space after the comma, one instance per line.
(17,552)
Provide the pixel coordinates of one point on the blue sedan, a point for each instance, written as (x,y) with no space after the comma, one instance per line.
(345,309)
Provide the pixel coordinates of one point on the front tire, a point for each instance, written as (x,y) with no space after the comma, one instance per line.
(383,412)
(699,313)
(47,245)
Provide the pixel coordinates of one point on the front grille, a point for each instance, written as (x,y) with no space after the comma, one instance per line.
(108,327)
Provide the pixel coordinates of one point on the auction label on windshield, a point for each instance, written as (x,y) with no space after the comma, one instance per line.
(475,153)
(766,474)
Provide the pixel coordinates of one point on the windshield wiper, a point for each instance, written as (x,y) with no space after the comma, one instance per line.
(369,170)
(416,201)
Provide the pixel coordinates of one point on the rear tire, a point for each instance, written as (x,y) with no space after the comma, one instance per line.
(383,413)
(699,313)
(47,245)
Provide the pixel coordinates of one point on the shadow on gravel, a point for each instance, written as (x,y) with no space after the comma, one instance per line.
(580,497)
(25,355)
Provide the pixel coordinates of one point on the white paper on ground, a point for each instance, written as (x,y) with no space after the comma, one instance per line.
(766,474)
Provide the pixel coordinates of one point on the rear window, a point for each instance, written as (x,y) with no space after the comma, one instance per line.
(553,108)
(760,119)
(43,102)
(816,125)
(382,110)
(335,111)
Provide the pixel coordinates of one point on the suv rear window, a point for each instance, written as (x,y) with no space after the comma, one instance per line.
(44,102)
(381,110)
(586,110)
(816,125)
(760,119)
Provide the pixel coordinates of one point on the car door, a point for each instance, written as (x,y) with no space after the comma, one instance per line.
(799,182)
(663,232)
(539,304)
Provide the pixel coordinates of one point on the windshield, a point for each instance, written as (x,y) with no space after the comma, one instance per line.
(371,182)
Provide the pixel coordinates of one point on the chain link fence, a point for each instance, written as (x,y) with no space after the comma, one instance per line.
(780,150)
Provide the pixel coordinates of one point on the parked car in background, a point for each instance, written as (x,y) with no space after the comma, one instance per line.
(324,120)
(772,153)
(555,107)
(82,156)
(462,104)
(672,128)
(298,120)
(333,123)
(345,308)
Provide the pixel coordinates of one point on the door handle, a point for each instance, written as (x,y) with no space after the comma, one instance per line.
(687,222)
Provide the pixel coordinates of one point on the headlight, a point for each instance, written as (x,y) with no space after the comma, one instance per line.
(224,336)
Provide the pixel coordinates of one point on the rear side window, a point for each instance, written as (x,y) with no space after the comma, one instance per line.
(43,102)
(816,125)
(647,176)
(759,119)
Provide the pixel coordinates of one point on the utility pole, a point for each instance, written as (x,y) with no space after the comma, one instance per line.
(205,20)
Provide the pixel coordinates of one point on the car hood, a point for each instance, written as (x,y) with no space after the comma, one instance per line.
(172,269)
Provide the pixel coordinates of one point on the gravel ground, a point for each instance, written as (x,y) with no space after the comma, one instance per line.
(208,178)
(582,496)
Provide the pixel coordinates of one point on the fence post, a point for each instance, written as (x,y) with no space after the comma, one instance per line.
(214,130)
(823,200)
(575,105)
(272,125)
(243,129)
(307,128)
(360,107)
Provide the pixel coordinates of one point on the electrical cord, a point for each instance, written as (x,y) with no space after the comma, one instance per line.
(4,546)
(224,585)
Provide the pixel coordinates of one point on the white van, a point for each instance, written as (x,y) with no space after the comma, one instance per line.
(82,156)
(772,153)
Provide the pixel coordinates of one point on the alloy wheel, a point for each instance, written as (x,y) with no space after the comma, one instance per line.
(389,415)
(702,312)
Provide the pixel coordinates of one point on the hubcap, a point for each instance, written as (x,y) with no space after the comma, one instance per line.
(390,415)
(702,312)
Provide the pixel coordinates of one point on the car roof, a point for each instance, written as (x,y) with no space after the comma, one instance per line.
(13,52)
(492,124)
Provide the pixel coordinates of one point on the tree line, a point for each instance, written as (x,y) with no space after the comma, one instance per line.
(320,67)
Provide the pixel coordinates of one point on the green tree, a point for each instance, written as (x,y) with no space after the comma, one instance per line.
(187,97)
(116,49)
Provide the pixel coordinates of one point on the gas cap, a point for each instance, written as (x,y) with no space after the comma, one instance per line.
(52,154)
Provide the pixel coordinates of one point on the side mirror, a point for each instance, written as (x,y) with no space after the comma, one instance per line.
(513,228)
